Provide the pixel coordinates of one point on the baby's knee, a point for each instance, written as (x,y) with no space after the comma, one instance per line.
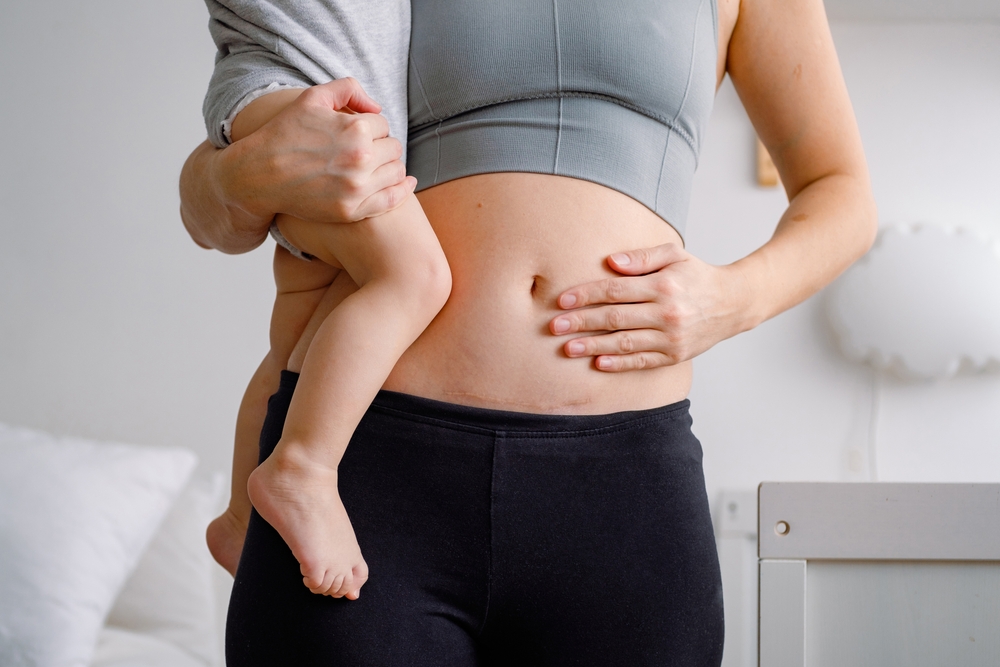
(425,277)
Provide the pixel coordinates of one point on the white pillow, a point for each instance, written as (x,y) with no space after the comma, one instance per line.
(74,517)
(170,595)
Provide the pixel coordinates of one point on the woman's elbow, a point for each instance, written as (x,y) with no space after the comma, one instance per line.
(193,231)
(867,224)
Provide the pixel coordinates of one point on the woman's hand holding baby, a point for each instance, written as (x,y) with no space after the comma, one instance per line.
(314,162)
(668,307)
(310,161)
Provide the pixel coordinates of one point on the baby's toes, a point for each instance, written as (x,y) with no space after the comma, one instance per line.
(316,579)
(360,575)
(336,587)
(347,586)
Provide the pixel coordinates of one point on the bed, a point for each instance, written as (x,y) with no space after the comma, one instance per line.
(103,560)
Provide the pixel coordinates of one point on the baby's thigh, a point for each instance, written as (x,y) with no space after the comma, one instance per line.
(392,244)
(325,241)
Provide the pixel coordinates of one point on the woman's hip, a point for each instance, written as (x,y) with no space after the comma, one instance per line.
(518,536)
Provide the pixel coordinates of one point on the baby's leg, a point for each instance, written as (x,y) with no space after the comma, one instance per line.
(225,533)
(404,281)
(304,291)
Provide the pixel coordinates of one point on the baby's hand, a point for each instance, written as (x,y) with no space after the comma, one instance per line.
(301,502)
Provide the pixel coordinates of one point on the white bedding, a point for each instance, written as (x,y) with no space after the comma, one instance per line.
(171,594)
(94,534)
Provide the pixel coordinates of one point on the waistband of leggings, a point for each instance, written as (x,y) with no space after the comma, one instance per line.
(428,410)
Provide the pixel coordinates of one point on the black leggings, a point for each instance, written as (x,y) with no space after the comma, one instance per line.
(498,538)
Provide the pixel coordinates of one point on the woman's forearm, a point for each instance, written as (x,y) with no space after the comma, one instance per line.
(213,217)
(210,216)
(828,225)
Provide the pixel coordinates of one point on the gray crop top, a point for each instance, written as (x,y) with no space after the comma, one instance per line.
(617,93)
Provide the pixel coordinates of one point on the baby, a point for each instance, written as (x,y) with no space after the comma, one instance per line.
(345,342)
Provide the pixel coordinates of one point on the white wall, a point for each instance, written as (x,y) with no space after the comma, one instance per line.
(780,402)
(114,325)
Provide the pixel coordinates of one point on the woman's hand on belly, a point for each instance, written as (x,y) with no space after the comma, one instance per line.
(667,307)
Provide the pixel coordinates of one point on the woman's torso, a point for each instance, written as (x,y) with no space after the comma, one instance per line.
(515,241)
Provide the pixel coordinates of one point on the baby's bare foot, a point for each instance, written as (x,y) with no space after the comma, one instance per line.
(300,500)
(225,539)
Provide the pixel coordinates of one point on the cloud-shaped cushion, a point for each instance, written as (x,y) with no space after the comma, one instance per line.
(925,303)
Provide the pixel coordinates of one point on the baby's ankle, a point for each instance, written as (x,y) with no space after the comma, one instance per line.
(237,515)
(296,457)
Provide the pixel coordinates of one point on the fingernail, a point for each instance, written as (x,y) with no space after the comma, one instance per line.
(621,259)
(560,325)
(357,594)
(603,362)
(576,347)
(567,300)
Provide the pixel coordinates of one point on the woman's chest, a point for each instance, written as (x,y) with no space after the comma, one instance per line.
(657,57)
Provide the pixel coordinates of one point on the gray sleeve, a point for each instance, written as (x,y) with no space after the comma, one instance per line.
(302,43)
(249,57)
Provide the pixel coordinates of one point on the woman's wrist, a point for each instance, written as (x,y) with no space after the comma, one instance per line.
(742,299)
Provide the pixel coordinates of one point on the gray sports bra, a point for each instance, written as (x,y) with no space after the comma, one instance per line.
(617,93)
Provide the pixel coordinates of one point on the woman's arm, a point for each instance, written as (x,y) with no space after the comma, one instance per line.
(309,161)
(673,306)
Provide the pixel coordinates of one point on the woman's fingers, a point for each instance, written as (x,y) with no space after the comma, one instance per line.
(646,260)
(629,289)
(377,127)
(388,169)
(657,317)
(388,150)
(618,342)
(623,350)
(323,165)
(632,362)
(345,93)
(386,199)
(606,318)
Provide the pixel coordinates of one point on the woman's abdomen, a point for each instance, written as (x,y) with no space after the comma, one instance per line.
(515,241)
